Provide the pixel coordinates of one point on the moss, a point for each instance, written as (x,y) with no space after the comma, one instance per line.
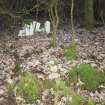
(70,53)
(78,100)
(92,78)
(28,87)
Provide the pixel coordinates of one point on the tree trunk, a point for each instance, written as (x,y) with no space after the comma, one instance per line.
(89,16)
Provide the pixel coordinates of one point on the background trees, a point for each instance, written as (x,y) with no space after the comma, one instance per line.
(86,12)
(89,14)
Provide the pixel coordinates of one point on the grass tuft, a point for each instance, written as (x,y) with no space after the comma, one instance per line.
(91,77)
(70,53)
(28,87)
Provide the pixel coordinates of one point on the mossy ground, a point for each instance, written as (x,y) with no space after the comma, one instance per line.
(76,99)
(91,77)
(70,53)
(28,87)
(60,85)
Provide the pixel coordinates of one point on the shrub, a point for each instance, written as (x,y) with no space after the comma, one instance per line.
(28,87)
(91,77)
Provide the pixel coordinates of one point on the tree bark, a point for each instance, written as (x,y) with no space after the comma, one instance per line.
(89,15)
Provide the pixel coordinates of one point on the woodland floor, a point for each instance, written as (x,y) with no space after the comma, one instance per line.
(35,54)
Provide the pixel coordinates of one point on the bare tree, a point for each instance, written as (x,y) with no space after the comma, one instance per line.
(54,17)
(72,24)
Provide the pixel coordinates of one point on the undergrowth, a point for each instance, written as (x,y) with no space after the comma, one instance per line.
(70,53)
(29,87)
(90,102)
(91,77)
(60,85)
(76,99)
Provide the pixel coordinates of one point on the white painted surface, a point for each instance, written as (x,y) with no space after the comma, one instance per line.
(21,33)
(31,29)
(37,28)
(28,30)
(47,27)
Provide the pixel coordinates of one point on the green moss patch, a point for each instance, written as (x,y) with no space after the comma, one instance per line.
(28,87)
(91,77)
(70,53)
